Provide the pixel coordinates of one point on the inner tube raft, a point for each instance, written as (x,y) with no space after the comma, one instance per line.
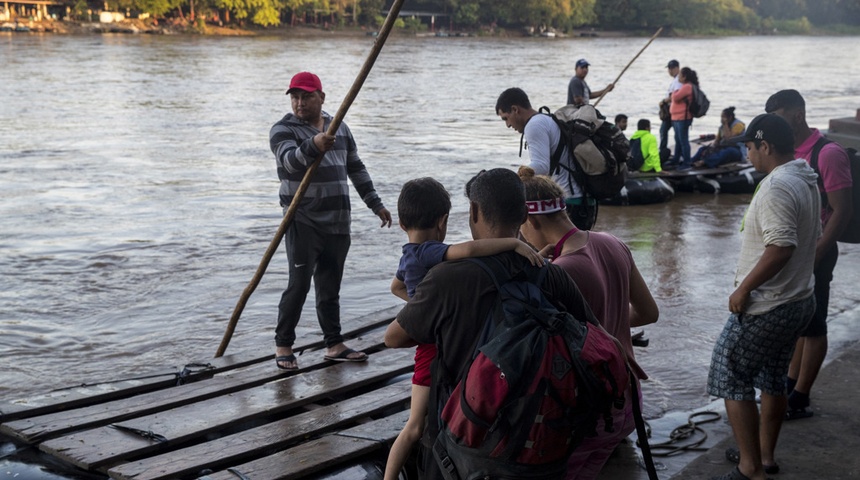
(642,191)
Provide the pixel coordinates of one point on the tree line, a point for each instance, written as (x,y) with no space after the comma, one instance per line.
(702,16)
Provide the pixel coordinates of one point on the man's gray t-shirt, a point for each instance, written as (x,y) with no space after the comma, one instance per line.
(578,88)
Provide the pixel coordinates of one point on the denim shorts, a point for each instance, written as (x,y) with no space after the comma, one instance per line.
(753,351)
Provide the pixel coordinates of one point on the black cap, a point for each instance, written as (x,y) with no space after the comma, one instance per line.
(770,128)
(790,99)
(673,64)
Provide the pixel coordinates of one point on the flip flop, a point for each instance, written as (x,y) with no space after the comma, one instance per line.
(733,475)
(286,358)
(344,356)
(733,454)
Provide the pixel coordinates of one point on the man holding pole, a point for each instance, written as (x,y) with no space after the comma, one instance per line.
(578,92)
(318,239)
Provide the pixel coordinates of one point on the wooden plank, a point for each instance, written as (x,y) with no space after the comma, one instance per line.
(106,446)
(36,429)
(321,454)
(99,392)
(256,442)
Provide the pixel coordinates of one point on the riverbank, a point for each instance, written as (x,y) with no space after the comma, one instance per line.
(184,27)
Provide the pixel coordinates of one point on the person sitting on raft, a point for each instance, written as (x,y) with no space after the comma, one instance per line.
(720,152)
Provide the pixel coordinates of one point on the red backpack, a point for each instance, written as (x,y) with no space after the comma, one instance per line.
(538,383)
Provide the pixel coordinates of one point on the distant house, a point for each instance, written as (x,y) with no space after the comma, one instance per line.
(36,10)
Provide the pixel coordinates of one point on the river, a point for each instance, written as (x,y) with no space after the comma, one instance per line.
(138,193)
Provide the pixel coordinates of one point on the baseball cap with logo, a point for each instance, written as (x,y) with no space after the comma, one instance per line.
(770,128)
(306,81)
(582,63)
(673,64)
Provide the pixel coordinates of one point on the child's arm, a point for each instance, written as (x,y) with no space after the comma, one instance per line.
(492,246)
(398,288)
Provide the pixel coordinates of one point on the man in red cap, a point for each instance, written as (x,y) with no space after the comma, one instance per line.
(318,239)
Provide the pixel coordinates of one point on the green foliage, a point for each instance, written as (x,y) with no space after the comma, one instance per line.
(412,24)
(467,14)
(788,27)
(158,8)
(260,12)
(369,10)
(700,16)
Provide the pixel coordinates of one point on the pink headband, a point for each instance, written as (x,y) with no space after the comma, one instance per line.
(543,207)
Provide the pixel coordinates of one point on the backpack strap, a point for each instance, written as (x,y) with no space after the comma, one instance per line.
(816,150)
(555,163)
(641,432)
(813,162)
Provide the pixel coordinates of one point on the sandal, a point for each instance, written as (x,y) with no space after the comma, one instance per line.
(735,474)
(733,454)
(291,358)
(344,356)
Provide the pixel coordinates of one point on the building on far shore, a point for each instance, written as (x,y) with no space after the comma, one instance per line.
(35,10)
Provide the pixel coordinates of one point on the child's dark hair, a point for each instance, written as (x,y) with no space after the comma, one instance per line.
(422,202)
(644,124)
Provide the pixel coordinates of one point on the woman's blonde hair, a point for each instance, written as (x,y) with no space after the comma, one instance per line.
(539,187)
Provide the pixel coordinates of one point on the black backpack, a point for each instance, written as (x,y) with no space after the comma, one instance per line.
(852,231)
(699,103)
(599,150)
(636,159)
(538,382)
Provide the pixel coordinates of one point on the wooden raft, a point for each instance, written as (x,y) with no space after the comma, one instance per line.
(233,417)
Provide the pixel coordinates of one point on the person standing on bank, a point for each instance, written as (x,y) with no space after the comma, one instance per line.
(578,92)
(674,68)
(835,183)
(318,239)
(773,297)
(682,119)
(541,136)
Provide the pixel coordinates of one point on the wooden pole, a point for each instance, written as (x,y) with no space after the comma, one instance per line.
(628,65)
(297,198)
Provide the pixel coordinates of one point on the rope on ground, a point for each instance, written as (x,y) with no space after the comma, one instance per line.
(181,376)
(685,432)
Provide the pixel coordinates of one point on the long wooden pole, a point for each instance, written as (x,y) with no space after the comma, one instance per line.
(297,198)
(628,65)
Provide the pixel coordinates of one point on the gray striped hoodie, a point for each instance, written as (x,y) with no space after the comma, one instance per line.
(325,204)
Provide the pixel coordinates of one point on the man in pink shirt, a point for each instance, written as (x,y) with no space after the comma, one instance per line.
(831,163)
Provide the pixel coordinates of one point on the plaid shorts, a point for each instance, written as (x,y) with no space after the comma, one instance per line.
(754,351)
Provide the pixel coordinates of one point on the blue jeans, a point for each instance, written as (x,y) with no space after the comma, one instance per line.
(682,141)
(664,135)
(721,156)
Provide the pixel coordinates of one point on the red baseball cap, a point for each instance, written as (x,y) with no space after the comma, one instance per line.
(306,81)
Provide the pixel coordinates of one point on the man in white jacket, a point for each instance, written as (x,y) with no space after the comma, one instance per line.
(773,298)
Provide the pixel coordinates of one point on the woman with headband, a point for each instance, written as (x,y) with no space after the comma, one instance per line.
(603,268)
